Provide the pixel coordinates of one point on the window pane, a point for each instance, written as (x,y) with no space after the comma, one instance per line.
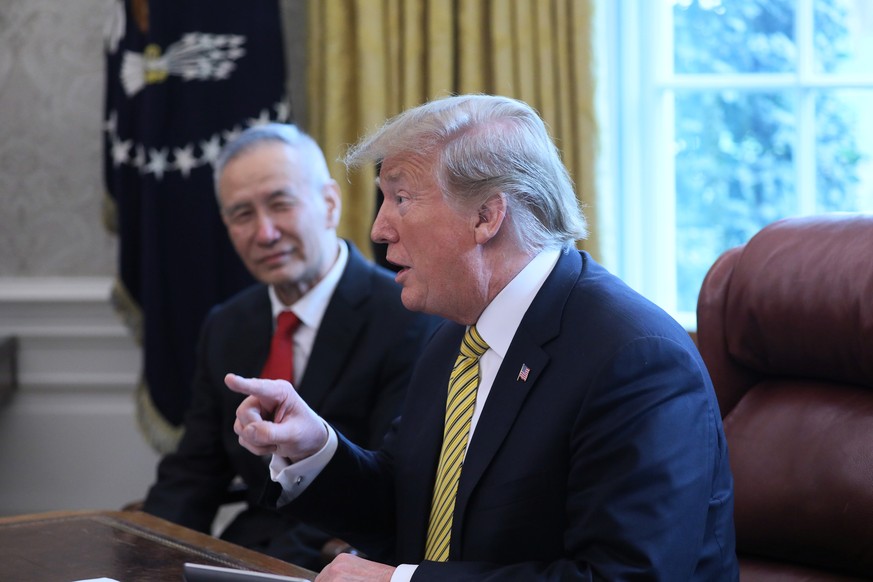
(734,36)
(844,36)
(734,174)
(844,151)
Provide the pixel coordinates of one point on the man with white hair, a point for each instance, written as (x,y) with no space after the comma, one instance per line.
(341,336)
(561,428)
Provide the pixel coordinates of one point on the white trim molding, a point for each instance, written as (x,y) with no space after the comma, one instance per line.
(68,435)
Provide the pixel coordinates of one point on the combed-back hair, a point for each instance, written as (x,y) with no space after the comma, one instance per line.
(315,165)
(485,145)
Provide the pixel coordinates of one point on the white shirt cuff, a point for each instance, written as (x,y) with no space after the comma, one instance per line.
(296,477)
(403,573)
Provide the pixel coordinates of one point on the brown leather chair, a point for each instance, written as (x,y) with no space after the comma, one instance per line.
(785,325)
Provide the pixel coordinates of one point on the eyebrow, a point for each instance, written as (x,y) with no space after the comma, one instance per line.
(235,207)
(394,175)
(271,196)
(389,178)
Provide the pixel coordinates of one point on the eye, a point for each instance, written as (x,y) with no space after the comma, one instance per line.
(240,216)
(282,203)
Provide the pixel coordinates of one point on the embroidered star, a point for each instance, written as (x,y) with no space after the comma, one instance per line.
(157,164)
(211,149)
(282,111)
(111,125)
(120,151)
(231,134)
(185,159)
(262,119)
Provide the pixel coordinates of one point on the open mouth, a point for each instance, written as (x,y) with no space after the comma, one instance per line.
(397,266)
(400,269)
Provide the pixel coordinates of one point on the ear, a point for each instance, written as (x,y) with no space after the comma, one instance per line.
(490,218)
(333,202)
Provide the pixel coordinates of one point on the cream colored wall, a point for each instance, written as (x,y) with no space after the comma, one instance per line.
(51,99)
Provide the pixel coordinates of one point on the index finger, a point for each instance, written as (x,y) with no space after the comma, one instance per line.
(253,386)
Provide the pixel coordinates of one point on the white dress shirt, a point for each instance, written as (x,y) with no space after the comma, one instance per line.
(310,309)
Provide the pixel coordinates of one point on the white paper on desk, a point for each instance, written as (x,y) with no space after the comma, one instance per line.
(97,580)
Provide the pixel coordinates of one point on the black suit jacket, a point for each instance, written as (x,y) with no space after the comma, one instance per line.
(609,462)
(356,378)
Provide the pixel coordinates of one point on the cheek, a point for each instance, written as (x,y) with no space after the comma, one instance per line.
(239,242)
(292,226)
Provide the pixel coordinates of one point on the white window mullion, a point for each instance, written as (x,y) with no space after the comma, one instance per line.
(660,194)
(767,82)
(632,96)
(608,64)
(805,160)
(664,211)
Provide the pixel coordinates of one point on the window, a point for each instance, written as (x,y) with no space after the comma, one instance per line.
(719,117)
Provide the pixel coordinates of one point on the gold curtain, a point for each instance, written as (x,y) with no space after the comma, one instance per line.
(371,59)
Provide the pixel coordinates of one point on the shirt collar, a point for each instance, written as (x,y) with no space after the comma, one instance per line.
(310,308)
(500,320)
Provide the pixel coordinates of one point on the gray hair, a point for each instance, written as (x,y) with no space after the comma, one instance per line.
(288,134)
(487,145)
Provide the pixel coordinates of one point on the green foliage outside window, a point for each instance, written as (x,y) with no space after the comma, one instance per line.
(735,150)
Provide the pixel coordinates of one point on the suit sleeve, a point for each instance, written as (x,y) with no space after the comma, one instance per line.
(362,515)
(411,335)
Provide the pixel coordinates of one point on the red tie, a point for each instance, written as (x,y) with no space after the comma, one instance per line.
(280,362)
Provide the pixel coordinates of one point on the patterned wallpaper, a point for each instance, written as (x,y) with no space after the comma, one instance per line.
(51,100)
(51,110)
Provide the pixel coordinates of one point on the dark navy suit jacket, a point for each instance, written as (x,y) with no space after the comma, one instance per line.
(608,462)
(356,378)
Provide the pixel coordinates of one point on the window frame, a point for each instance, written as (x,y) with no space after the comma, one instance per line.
(635,97)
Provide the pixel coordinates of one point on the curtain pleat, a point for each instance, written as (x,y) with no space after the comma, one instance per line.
(371,59)
(474,69)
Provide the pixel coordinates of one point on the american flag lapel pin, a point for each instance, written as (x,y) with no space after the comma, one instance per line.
(522,374)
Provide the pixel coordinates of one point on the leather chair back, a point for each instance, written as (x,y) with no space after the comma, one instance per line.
(785,325)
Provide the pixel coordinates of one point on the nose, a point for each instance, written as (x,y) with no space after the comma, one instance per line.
(266,233)
(382,232)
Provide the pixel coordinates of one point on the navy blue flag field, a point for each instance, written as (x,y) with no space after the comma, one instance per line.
(183,78)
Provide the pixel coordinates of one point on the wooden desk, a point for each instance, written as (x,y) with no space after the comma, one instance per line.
(128,546)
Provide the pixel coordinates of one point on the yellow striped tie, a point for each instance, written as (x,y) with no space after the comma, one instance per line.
(459,412)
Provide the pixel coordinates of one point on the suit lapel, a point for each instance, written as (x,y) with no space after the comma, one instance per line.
(342,322)
(541,323)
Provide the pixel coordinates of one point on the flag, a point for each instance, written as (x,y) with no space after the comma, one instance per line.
(183,77)
(523,373)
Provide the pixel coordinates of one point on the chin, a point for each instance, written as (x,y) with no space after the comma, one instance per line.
(277,276)
(410,301)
